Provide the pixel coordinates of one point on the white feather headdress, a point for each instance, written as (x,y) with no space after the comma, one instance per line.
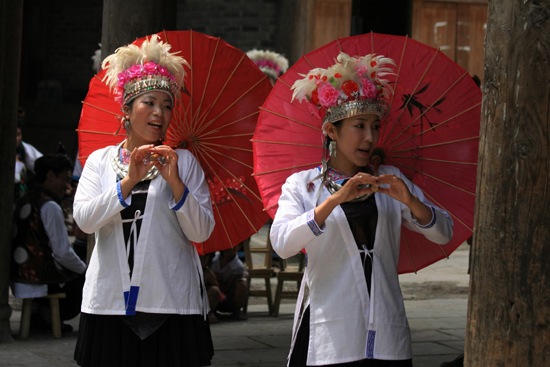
(269,62)
(132,70)
(352,86)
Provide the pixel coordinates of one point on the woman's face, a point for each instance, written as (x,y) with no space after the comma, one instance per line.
(355,139)
(150,116)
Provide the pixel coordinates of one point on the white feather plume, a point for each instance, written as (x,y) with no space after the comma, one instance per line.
(151,50)
(346,68)
(278,59)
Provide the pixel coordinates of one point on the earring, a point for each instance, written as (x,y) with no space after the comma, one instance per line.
(332,149)
(122,125)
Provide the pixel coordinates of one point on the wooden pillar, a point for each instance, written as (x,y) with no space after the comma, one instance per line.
(11,21)
(318,22)
(509,302)
(287,38)
(301,29)
(329,19)
(126,20)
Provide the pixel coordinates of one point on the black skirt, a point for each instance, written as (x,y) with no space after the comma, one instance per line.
(181,340)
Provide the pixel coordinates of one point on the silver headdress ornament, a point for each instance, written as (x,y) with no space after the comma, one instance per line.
(352,86)
(133,70)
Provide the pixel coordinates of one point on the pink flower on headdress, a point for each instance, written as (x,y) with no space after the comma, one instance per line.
(150,68)
(133,71)
(164,71)
(328,95)
(370,90)
(269,64)
(362,71)
(122,79)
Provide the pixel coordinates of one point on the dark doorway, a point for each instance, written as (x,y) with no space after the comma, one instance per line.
(388,17)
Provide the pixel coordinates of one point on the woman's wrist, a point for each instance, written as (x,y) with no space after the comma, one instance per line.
(412,201)
(178,188)
(335,199)
(126,186)
(421,211)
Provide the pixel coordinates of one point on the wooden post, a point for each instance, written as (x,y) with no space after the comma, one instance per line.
(329,20)
(509,302)
(11,21)
(126,20)
(318,22)
(301,29)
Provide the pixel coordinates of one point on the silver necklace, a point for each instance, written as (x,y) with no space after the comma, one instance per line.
(122,169)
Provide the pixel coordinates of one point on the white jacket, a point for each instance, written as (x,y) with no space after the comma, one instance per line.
(345,323)
(167,274)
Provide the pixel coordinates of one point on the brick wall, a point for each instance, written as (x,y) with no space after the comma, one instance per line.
(244,24)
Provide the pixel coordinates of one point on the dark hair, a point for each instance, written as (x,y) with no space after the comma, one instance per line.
(56,163)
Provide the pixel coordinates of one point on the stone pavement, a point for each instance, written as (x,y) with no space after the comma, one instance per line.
(435,299)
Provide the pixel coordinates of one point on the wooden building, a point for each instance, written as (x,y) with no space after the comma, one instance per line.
(60,37)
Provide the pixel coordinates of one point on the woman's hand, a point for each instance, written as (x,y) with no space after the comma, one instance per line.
(352,189)
(169,170)
(399,191)
(397,188)
(136,169)
(348,192)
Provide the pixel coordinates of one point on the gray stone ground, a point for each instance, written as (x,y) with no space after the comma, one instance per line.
(435,299)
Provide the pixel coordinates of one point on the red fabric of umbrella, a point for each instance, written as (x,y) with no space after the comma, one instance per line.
(431,133)
(214,119)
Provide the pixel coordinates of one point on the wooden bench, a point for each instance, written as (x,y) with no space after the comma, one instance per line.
(263,271)
(26,312)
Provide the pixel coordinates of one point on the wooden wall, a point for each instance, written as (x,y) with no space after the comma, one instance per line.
(330,19)
(456,27)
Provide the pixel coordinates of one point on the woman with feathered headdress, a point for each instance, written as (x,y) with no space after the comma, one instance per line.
(269,62)
(347,215)
(144,302)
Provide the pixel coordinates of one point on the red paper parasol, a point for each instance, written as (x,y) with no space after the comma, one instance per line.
(214,119)
(431,134)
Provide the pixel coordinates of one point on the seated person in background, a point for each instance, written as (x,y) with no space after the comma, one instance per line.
(212,287)
(43,261)
(232,279)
